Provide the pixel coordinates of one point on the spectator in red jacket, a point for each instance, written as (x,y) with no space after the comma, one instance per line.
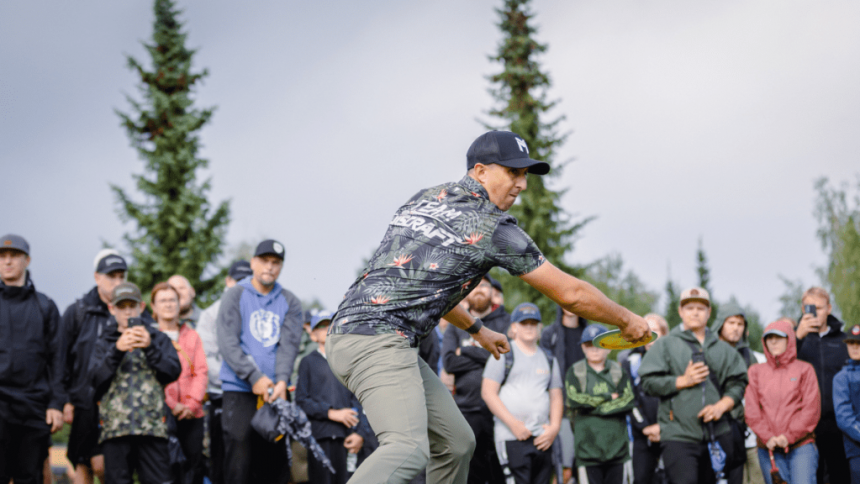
(184,397)
(783,406)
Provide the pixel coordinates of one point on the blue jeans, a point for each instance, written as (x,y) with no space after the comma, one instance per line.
(796,467)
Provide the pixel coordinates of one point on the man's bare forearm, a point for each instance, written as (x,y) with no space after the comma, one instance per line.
(460,318)
(577,296)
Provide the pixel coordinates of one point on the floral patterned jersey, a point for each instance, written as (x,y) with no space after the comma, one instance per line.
(436,250)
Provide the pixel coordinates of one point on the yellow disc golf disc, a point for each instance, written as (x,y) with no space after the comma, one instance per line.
(612,340)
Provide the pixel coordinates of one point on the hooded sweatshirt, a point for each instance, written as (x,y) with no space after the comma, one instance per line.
(782,397)
(258,334)
(667,360)
(728,310)
(846,402)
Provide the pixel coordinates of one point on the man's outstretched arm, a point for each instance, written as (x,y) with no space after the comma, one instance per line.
(583,299)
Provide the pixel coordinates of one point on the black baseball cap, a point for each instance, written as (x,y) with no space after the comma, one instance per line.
(109,260)
(240,270)
(270,246)
(15,242)
(503,148)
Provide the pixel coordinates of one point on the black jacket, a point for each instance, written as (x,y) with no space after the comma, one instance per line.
(319,391)
(552,338)
(827,355)
(161,356)
(31,355)
(429,350)
(468,366)
(645,411)
(83,324)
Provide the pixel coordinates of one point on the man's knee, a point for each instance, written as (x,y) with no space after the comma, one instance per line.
(463,445)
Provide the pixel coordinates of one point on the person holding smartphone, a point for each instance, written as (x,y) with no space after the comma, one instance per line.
(820,342)
(699,380)
(131,365)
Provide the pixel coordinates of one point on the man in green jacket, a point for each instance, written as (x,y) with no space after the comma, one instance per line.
(698,379)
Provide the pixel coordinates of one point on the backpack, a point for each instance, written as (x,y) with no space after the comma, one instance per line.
(509,364)
(580,371)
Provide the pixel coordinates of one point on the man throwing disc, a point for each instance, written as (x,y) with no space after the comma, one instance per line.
(436,250)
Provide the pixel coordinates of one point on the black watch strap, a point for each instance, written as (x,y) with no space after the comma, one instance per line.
(475,327)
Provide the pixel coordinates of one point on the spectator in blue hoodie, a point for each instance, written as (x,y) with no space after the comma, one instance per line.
(846,402)
(337,419)
(259,328)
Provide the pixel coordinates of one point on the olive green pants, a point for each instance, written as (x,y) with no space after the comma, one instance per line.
(411,411)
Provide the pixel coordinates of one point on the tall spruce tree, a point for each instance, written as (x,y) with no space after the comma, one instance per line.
(177,231)
(520,90)
(704,273)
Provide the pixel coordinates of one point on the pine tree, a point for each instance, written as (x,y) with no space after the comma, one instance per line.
(177,231)
(704,273)
(673,299)
(520,90)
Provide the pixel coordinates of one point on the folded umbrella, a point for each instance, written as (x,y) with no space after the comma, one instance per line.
(280,418)
(718,455)
(775,478)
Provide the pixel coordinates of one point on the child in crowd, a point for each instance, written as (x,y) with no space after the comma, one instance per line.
(846,402)
(130,366)
(337,420)
(523,390)
(783,406)
(599,396)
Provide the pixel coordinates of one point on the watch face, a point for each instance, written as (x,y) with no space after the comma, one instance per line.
(612,340)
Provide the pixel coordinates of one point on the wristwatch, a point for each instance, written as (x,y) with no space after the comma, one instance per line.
(475,327)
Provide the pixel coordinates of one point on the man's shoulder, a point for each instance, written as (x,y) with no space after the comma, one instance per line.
(290,297)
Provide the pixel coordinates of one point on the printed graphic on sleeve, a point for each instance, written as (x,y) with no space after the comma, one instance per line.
(265,327)
(437,248)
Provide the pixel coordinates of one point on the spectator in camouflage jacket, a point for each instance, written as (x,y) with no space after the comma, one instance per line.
(132,363)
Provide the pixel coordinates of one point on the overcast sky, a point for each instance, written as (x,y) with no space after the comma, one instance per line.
(689,120)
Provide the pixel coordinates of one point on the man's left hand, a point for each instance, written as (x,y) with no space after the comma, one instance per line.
(280,391)
(713,412)
(353,443)
(495,343)
(544,441)
(54,418)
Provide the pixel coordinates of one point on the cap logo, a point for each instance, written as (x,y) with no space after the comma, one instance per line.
(855,330)
(113,260)
(278,248)
(528,310)
(522,145)
(694,292)
(7,242)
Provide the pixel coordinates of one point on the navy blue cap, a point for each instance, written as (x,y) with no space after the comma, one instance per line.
(496,284)
(320,317)
(240,270)
(590,332)
(525,311)
(503,148)
(14,242)
(270,246)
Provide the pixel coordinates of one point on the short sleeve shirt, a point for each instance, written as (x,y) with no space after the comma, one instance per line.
(437,248)
(524,393)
